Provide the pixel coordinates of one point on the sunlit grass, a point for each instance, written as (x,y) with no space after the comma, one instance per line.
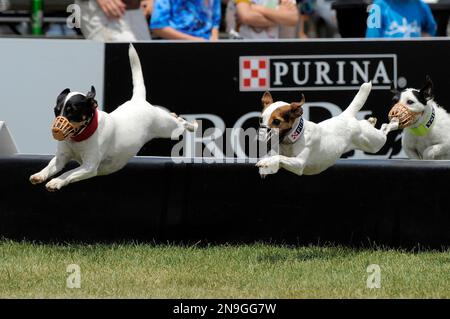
(248,271)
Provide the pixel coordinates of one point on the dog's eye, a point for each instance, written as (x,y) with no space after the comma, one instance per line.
(410,102)
(276,122)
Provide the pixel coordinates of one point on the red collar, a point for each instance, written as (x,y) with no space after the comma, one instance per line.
(88,131)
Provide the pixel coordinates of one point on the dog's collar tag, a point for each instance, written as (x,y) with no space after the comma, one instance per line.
(296,131)
(425,127)
(88,130)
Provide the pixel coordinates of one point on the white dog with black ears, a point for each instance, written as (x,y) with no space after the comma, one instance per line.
(426,125)
(103,143)
(309,148)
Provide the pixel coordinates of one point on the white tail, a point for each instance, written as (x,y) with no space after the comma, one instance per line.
(359,99)
(136,71)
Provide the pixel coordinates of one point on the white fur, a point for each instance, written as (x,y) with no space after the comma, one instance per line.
(322,144)
(435,145)
(119,136)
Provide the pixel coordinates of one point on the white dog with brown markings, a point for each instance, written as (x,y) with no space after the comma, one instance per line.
(309,148)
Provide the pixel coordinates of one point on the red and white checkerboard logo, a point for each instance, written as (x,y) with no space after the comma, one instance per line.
(254,73)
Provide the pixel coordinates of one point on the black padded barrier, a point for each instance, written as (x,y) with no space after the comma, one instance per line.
(356,202)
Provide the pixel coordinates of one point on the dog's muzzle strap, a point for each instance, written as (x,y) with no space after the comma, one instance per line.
(265,133)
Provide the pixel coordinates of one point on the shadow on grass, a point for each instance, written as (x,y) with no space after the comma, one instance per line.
(270,253)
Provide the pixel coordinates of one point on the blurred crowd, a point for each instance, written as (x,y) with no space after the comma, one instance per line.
(200,20)
(209,20)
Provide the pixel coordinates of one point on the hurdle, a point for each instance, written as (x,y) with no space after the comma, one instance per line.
(395,203)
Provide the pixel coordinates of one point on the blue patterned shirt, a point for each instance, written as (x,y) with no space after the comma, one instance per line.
(194,17)
(402,19)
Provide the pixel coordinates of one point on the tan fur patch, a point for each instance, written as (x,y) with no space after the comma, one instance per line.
(286,115)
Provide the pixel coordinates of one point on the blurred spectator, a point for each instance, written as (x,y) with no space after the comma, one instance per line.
(263,19)
(186,19)
(147,7)
(400,19)
(113,20)
(306,10)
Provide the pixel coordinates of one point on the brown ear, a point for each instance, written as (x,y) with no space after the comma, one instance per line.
(266,99)
(296,107)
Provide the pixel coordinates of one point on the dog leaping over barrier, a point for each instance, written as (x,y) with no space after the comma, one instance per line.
(103,143)
(309,148)
(425,124)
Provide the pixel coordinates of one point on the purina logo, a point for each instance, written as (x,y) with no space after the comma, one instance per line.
(316,72)
(254,73)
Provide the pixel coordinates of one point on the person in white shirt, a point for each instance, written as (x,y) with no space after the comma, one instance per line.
(113,20)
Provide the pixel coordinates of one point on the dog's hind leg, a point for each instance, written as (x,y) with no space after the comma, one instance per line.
(191,127)
(172,126)
(372,121)
(370,139)
(388,127)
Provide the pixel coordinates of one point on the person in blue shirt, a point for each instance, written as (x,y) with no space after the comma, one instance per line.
(186,19)
(400,19)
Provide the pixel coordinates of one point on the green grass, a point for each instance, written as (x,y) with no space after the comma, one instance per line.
(249,271)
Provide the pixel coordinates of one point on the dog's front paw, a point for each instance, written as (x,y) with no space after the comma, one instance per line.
(54,185)
(37,178)
(269,165)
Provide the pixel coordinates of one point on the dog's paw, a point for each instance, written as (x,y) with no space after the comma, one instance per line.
(394,124)
(191,127)
(54,185)
(194,126)
(37,178)
(394,120)
(269,165)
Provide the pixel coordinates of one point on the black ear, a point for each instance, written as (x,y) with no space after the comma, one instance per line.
(62,96)
(427,90)
(91,94)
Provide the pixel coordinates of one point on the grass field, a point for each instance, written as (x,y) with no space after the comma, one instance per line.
(250,271)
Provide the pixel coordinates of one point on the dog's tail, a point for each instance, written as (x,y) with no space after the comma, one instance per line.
(359,99)
(136,71)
